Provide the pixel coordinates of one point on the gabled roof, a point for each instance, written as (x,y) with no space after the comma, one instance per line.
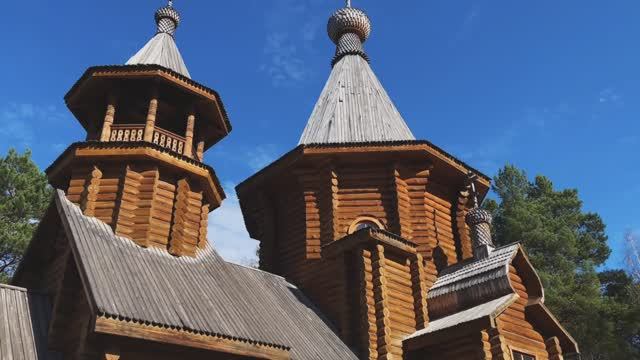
(475,271)
(354,108)
(24,324)
(203,295)
(161,50)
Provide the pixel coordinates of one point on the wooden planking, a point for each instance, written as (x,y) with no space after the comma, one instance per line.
(385,347)
(400,301)
(402,200)
(513,326)
(308,180)
(185,229)
(423,229)
(129,200)
(363,193)
(368,327)
(419,291)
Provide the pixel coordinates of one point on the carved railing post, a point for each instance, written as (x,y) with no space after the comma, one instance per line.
(200,151)
(151,120)
(188,144)
(108,121)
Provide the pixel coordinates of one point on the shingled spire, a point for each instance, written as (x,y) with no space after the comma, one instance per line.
(354,106)
(162,49)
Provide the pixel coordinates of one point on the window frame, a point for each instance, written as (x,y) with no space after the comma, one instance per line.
(363,219)
(522,354)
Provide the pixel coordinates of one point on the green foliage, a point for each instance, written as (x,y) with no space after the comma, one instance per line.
(567,245)
(24,196)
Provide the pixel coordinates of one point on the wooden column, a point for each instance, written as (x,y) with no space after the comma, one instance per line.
(200,151)
(188,135)
(108,121)
(151,120)
(90,193)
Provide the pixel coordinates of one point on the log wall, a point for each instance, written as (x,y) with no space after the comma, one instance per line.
(517,332)
(144,204)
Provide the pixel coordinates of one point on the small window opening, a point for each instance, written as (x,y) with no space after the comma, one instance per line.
(365,223)
(522,356)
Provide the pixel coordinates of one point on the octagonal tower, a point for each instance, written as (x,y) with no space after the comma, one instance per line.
(361,215)
(140,168)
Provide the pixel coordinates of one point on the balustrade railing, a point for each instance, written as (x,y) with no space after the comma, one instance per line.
(126,132)
(168,140)
(162,137)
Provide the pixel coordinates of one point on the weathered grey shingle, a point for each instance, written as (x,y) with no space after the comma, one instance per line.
(161,50)
(491,308)
(354,108)
(24,324)
(203,294)
(474,271)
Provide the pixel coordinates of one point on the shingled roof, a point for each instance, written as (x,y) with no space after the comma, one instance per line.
(24,324)
(203,295)
(473,272)
(353,107)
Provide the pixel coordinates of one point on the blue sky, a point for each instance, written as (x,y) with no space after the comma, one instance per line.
(550,86)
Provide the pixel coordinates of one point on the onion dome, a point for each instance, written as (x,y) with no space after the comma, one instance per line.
(167,19)
(479,221)
(349,28)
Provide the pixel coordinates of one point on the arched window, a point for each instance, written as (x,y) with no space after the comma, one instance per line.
(365,222)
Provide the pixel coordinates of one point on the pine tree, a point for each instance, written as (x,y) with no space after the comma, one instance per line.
(567,246)
(24,196)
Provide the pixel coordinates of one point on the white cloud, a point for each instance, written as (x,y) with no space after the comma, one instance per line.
(18,122)
(261,156)
(227,232)
(291,28)
(285,66)
(494,151)
(609,96)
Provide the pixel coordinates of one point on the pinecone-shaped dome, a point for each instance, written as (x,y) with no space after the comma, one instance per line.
(167,19)
(349,20)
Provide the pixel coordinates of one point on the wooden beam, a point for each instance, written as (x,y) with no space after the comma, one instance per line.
(183,338)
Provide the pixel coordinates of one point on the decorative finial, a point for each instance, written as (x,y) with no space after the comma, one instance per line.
(349,28)
(471,178)
(479,221)
(167,19)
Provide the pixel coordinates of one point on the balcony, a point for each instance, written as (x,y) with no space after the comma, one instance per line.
(161,137)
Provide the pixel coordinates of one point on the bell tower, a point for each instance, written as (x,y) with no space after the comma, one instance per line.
(140,168)
(361,215)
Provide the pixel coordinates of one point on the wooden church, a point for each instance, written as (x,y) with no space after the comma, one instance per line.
(372,245)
